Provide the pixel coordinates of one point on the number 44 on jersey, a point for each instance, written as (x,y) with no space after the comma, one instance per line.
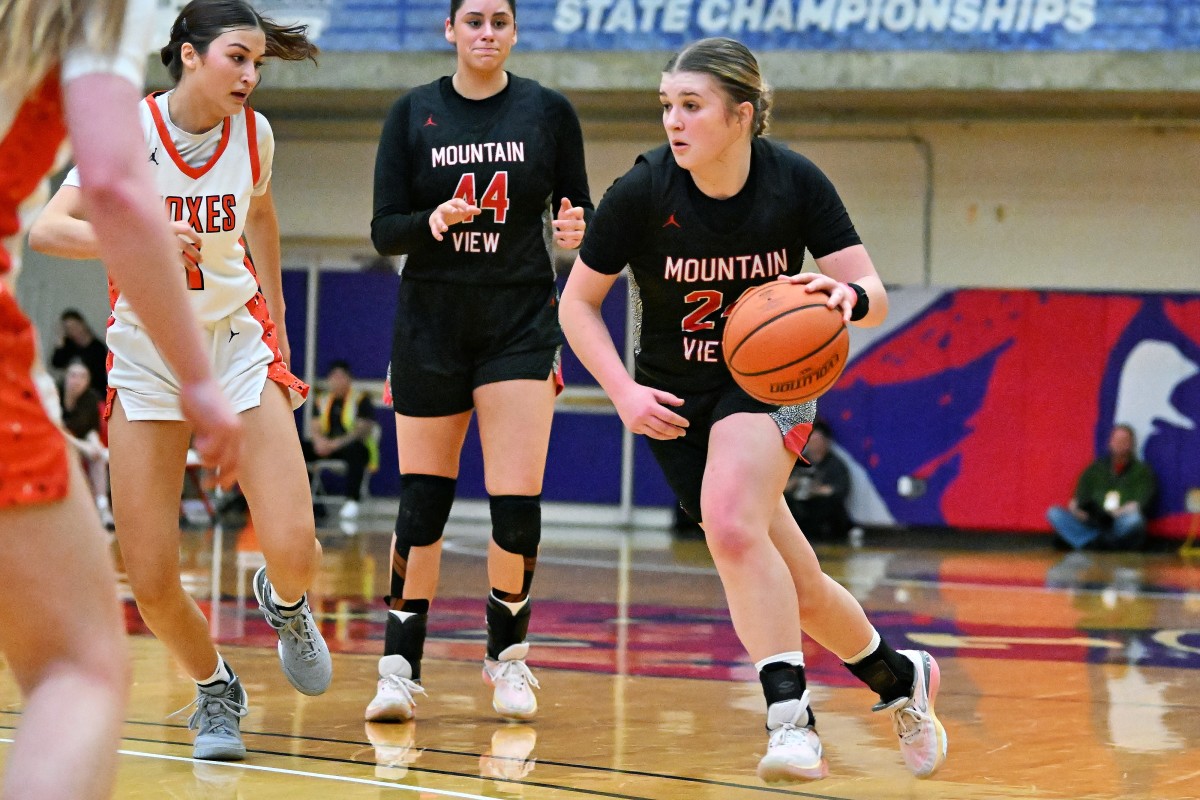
(494,199)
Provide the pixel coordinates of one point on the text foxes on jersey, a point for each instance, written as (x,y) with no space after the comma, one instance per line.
(204,213)
(730,17)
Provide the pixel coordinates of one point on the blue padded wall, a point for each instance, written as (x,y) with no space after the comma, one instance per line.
(295,297)
(584,463)
(355,311)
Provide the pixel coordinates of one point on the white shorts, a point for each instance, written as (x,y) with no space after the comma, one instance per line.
(244,355)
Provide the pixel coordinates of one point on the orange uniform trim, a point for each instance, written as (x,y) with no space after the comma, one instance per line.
(165,135)
(110,393)
(34,463)
(27,153)
(797,438)
(252,144)
(277,370)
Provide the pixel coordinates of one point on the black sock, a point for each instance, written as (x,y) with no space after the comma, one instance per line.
(407,638)
(781,682)
(889,674)
(411,606)
(504,628)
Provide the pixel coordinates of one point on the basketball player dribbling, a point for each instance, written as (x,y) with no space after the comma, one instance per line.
(76,67)
(716,210)
(473,173)
(211,157)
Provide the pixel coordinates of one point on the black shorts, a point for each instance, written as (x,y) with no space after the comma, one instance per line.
(451,338)
(683,460)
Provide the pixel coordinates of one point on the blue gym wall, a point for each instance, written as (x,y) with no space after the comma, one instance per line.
(354,322)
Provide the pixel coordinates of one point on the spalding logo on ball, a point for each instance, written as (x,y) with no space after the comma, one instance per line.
(783,345)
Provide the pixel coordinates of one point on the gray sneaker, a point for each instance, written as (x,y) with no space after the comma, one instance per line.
(302,650)
(216,721)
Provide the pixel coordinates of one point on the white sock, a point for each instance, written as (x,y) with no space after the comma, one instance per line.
(223,674)
(282,603)
(793,657)
(871,647)
(403,616)
(513,607)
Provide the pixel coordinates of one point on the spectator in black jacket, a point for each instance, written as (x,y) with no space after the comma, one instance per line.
(817,491)
(76,340)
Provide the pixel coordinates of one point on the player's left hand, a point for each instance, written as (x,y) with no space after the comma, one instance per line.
(840,295)
(568,226)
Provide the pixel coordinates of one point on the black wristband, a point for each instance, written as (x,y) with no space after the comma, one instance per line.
(862,305)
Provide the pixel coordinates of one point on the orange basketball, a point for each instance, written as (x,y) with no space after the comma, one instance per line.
(783,345)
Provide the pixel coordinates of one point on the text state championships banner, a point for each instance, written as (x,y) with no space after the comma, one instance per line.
(866,25)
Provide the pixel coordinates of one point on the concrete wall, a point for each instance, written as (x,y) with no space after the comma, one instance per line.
(1003,204)
(1108,204)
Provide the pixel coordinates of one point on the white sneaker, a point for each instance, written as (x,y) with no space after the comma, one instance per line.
(349,510)
(794,750)
(394,698)
(513,683)
(395,749)
(923,741)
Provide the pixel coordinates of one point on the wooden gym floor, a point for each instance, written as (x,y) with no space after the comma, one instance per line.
(1063,676)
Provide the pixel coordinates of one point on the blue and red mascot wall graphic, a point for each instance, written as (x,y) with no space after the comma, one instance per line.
(997,400)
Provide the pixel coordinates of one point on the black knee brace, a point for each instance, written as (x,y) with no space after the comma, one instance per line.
(425,502)
(517,523)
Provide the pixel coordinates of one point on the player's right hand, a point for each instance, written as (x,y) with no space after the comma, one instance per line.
(189,243)
(218,431)
(451,212)
(644,410)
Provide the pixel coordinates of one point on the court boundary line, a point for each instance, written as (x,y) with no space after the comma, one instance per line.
(283,771)
(449,773)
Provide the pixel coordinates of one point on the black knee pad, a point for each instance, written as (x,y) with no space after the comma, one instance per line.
(517,523)
(425,502)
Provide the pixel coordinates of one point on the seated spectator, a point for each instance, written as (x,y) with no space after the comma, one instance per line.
(76,340)
(817,491)
(343,430)
(81,418)
(1111,499)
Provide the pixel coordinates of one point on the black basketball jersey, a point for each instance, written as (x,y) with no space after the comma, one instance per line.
(514,155)
(688,273)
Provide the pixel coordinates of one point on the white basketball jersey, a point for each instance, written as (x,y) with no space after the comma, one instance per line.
(213,197)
